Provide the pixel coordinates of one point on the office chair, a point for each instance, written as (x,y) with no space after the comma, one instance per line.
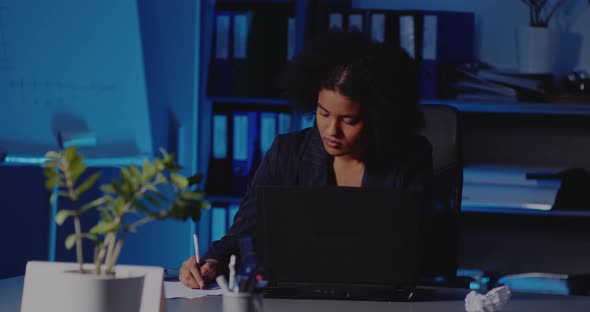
(443,130)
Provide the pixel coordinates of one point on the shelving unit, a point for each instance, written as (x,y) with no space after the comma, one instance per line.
(466,208)
(208,102)
(557,109)
(511,134)
(525,212)
(247,100)
(303,17)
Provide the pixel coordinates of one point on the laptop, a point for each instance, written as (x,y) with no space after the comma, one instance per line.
(338,242)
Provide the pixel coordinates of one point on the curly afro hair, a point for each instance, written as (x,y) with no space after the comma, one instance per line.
(382,78)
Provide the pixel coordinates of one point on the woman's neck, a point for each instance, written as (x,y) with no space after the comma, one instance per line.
(348,161)
(348,171)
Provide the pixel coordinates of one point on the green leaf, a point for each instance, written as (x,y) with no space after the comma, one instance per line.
(173,167)
(63,194)
(196,179)
(76,169)
(164,153)
(193,195)
(151,187)
(92,237)
(104,214)
(195,214)
(52,198)
(107,188)
(161,196)
(168,161)
(53,182)
(119,188)
(70,241)
(126,175)
(149,171)
(161,215)
(141,206)
(205,205)
(50,173)
(52,163)
(62,215)
(190,204)
(179,180)
(70,153)
(134,185)
(118,206)
(183,210)
(87,184)
(176,212)
(97,202)
(135,173)
(153,200)
(130,178)
(52,154)
(104,227)
(159,164)
(160,178)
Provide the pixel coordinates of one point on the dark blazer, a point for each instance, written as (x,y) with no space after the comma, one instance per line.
(299,159)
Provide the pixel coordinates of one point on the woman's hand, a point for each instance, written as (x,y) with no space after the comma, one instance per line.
(194,277)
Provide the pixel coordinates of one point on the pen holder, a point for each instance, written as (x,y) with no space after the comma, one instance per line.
(242,302)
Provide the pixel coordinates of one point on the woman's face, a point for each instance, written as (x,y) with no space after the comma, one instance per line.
(339,123)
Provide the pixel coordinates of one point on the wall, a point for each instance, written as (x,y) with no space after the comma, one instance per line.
(141,56)
(169,37)
(496,21)
(72,66)
(24,225)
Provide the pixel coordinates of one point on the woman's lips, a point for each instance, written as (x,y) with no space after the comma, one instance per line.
(332,143)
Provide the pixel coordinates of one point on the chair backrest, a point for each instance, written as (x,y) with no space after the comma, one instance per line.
(443,130)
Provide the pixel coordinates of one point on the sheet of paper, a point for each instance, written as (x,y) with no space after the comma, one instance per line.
(177,290)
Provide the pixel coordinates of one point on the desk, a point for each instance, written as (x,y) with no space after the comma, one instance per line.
(10,296)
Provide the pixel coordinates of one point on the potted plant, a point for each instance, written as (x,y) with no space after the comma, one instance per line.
(156,191)
(537,43)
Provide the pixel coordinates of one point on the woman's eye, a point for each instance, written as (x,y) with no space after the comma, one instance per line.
(350,121)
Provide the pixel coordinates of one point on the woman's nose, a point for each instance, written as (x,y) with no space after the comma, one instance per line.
(333,128)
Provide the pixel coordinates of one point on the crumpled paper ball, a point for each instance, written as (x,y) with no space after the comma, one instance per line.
(493,301)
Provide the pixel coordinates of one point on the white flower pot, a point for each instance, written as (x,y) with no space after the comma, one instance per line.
(536,49)
(58,286)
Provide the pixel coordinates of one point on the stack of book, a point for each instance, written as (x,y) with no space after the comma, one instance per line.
(482,82)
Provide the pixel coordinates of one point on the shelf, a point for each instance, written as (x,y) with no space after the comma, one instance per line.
(224,199)
(32,160)
(255,1)
(515,108)
(521,211)
(248,100)
(464,209)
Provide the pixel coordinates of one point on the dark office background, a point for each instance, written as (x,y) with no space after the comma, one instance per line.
(132,72)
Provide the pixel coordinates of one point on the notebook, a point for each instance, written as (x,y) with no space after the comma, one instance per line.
(338,242)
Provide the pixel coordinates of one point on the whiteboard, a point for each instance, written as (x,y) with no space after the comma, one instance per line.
(68,65)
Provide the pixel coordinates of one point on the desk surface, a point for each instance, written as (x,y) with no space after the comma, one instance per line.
(10,296)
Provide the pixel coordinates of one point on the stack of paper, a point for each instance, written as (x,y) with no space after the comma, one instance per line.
(508,187)
(177,290)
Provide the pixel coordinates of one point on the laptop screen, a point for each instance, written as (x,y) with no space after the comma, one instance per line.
(338,236)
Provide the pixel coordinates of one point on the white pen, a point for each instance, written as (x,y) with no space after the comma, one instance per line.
(196,241)
(222,283)
(232,272)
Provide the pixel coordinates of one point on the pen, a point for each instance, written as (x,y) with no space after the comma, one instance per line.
(222,283)
(232,273)
(196,242)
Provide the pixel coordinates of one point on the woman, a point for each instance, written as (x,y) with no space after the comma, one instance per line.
(365,100)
